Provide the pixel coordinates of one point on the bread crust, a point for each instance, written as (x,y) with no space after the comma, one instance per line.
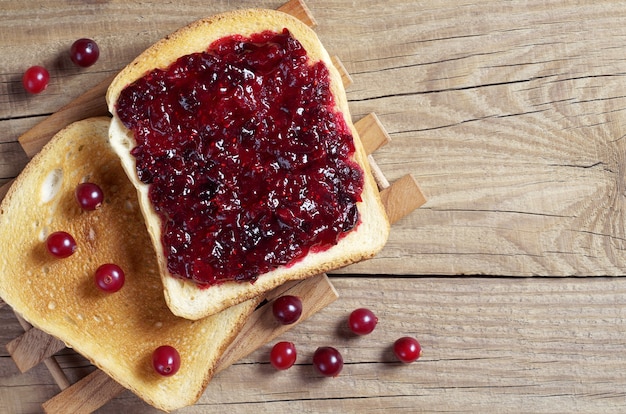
(117,332)
(183,297)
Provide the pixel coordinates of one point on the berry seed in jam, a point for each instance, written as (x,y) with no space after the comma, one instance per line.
(248,160)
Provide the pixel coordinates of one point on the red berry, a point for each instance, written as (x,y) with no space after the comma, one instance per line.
(287,309)
(35,79)
(166,360)
(407,349)
(328,361)
(283,355)
(84,52)
(61,244)
(109,277)
(89,196)
(362,321)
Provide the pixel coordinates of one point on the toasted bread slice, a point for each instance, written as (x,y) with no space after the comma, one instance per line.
(116,331)
(184,297)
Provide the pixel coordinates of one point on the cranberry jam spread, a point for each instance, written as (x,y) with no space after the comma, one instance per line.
(248,161)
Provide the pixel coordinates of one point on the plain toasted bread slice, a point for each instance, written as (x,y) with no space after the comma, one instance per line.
(184,297)
(116,331)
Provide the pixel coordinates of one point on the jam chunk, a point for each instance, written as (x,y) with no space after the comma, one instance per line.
(248,162)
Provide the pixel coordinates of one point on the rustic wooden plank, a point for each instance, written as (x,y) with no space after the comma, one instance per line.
(495,100)
(488,344)
(511,138)
(509,116)
(511,344)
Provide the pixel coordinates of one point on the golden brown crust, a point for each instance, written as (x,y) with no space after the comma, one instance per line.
(184,298)
(118,331)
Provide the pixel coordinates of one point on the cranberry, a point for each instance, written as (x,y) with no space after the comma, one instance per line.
(84,52)
(407,349)
(35,79)
(248,162)
(89,196)
(362,321)
(61,244)
(328,361)
(287,309)
(166,360)
(109,277)
(283,355)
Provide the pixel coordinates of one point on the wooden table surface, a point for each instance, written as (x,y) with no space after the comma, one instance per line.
(510,115)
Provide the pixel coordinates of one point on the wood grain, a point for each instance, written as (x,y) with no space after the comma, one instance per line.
(402,198)
(90,104)
(511,345)
(512,127)
(86,396)
(510,122)
(510,116)
(372,133)
(300,10)
(50,362)
(32,347)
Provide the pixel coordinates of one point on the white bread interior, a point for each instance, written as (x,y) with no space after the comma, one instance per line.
(116,332)
(183,297)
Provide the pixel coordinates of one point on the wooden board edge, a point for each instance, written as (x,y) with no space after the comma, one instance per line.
(372,133)
(402,197)
(299,10)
